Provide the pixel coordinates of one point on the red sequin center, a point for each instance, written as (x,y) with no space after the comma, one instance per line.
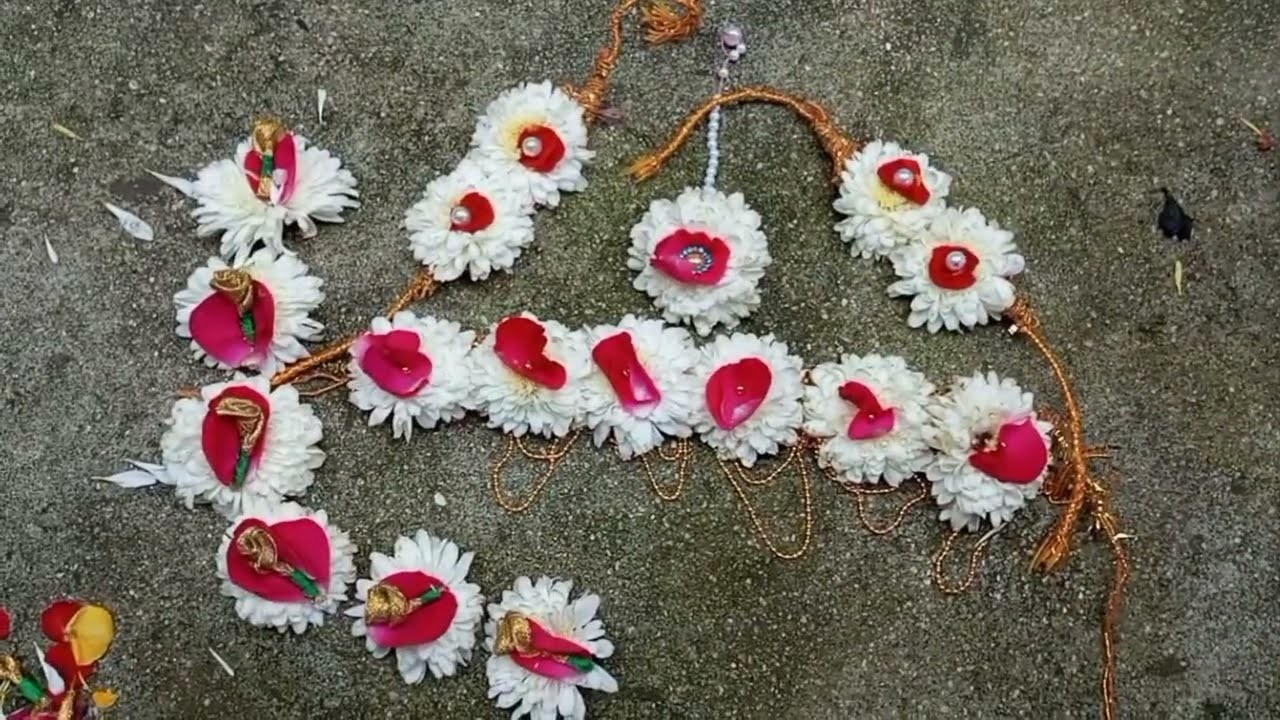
(548,156)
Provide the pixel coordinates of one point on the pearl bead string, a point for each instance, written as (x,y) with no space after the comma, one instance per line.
(734,46)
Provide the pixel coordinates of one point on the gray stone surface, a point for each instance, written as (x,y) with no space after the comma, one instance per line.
(1057,118)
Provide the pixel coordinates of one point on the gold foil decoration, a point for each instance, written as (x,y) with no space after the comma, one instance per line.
(514,635)
(387,605)
(257,544)
(267,132)
(10,669)
(235,284)
(248,417)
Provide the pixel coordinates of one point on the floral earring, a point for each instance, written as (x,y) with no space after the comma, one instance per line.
(275,179)
(700,257)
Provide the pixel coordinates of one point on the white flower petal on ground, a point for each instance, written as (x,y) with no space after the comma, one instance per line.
(304,541)
(537,135)
(227,204)
(477,220)
(412,370)
(555,623)
(641,388)
(889,196)
(989,423)
(700,257)
(280,463)
(283,296)
(751,396)
(436,631)
(957,273)
(532,381)
(870,413)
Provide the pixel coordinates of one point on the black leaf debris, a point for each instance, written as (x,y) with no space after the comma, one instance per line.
(1173,221)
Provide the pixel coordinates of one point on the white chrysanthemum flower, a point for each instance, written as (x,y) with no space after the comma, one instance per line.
(536,135)
(254,315)
(476,220)
(527,376)
(543,648)
(642,386)
(419,603)
(411,369)
(751,396)
(700,257)
(307,185)
(957,273)
(889,195)
(870,412)
(993,453)
(285,565)
(241,439)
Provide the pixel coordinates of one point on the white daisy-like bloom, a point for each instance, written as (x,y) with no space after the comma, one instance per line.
(536,135)
(411,369)
(889,195)
(751,396)
(993,453)
(642,387)
(418,603)
(527,376)
(871,413)
(285,565)
(477,219)
(700,257)
(545,647)
(307,185)
(255,315)
(241,439)
(957,273)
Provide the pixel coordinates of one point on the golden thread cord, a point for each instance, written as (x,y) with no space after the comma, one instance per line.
(662,23)
(553,456)
(1073,486)
(735,477)
(837,144)
(975,562)
(423,285)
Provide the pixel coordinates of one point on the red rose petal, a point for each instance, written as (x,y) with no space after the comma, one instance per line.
(736,390)
(63,659)
(549,156)
(634,387)
(215,327)
(952,278)
(692,257)
(424,625)
(285,157)
(57,617)
(1020,454)
(521,344)
(6,624)
(545,663)
(220,435)
(872,419)
(395,361)
(301,543)
(913,190)
(479,210)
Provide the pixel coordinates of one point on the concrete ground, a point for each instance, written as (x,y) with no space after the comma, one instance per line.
(1057,118)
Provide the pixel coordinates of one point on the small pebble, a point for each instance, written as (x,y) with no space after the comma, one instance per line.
(440,501)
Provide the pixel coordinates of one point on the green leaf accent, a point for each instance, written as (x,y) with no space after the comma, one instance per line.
(432,594)
(31,690)
(248,327)
(304,581)
(581,663)
(268,165)
(242,469)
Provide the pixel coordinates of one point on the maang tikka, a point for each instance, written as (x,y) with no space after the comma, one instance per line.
(700,256)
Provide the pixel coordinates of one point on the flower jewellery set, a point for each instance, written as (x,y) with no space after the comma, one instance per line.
(870,423)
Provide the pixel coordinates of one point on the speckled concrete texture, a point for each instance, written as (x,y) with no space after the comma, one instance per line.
(1056,118)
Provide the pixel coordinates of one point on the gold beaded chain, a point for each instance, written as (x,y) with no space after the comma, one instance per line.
(553,456)
(681,454)
(739,477)
(940,579)
(862,497)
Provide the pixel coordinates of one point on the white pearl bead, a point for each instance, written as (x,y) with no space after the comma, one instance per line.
(955,260)
(731,36)
(531,146)
(723,73)
(904,177)
(734,55)
(460,215)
